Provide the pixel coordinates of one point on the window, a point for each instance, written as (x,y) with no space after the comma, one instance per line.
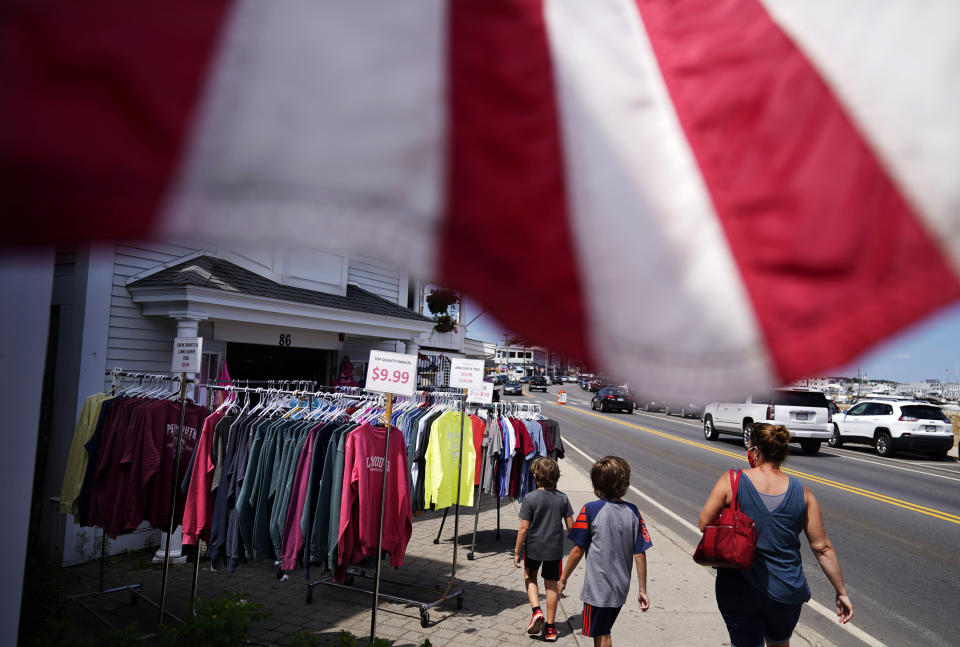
(800,398)
(921,412)
(858,409)
(875,409)
(527,355)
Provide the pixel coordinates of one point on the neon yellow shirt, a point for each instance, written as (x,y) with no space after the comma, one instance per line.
(77,460)
(443,453)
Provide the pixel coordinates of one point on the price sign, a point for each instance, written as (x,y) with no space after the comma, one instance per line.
(466,373)
(187,354)
(392,373)
(483,395)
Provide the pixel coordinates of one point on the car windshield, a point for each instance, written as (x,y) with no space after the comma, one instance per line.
(922,412)
(800,399)
(512,383)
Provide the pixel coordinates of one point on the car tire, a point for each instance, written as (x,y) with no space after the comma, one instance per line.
(646,406)
(603,408)
(666,410)
(683,413)
(938,455)
(709,432)
(747,432)
(835,440)
(884,445)
(810,447)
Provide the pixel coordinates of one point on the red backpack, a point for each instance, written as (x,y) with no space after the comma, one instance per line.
(731,540)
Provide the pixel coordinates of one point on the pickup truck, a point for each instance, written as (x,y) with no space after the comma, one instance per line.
(805,414)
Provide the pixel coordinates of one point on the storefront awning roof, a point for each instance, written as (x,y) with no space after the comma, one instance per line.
(215,273)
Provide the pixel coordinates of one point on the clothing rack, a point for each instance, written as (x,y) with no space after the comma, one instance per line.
(496,408)
(423,607)
(360,394)
(117,375)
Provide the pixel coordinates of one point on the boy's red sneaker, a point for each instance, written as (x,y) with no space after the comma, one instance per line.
(550,634)
(536,622)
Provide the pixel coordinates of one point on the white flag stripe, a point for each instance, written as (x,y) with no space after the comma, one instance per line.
(323,121)
(893,65)
(667,304)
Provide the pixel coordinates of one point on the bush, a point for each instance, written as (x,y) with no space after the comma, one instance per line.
(219,622)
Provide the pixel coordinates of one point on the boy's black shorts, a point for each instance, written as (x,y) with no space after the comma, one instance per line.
(551,568)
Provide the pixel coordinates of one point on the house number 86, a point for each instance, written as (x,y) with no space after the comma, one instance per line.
(284,340)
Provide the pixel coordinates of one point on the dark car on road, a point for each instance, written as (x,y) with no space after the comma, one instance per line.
(538,384)
(597,383)
(612,398)
(683,410)
(653,405)
(512,388)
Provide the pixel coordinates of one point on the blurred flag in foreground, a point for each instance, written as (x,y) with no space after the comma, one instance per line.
(702,196)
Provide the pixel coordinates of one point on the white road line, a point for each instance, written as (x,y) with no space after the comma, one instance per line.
(813,604)
(889,466)
(670,513)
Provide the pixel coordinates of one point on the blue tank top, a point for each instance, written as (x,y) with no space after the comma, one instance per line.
(777,567)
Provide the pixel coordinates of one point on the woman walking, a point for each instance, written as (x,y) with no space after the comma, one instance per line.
(764,603)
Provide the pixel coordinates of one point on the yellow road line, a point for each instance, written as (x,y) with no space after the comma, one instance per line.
(906,505)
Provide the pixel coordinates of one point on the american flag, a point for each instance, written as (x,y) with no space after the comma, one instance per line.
(700,196)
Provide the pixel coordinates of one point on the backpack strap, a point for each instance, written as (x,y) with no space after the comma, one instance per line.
(735,485)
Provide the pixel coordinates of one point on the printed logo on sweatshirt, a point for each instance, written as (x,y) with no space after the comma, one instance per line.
(375,464)
(189,434)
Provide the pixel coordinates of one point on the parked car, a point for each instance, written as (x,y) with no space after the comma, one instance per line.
(512,388)
(524,380)
(538,384)
(612,398)
(890,425)
(585,383)
(805,414)
(569,378)
(652,405)
(596,384)
(683,410)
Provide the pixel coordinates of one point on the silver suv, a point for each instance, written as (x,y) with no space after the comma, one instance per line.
(890,425)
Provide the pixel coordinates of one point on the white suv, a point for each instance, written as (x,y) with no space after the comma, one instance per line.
(806,414)
(890,425)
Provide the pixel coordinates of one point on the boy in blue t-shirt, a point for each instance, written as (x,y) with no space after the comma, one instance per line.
(543,514)
(611,533)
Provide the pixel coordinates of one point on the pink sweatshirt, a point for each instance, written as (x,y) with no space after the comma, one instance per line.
(360,499)
(196,513)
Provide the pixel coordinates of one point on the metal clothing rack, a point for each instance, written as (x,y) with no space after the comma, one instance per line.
(423,607)
(134,589)
(496,407)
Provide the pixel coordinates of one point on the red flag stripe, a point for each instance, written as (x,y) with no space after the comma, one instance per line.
(104,96)
(507,233)
(830,252)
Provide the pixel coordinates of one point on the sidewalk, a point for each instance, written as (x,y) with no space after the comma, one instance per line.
(495,609)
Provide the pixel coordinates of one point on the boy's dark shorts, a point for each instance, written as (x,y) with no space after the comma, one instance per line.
(551,568)
(598,621)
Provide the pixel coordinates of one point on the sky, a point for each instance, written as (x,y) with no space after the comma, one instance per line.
(926,350)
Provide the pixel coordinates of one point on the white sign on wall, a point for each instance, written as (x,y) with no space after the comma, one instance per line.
(466,373)
(392,373)
(483,395)
(187,353)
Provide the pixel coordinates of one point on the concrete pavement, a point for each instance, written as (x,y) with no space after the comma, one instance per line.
(495,609)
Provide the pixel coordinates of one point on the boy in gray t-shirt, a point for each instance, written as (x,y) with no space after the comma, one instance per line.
(611,533)
(543,514)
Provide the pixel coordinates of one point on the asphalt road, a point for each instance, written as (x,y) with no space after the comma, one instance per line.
(895,523)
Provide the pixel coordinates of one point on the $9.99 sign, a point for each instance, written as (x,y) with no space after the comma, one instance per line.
(392,373)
